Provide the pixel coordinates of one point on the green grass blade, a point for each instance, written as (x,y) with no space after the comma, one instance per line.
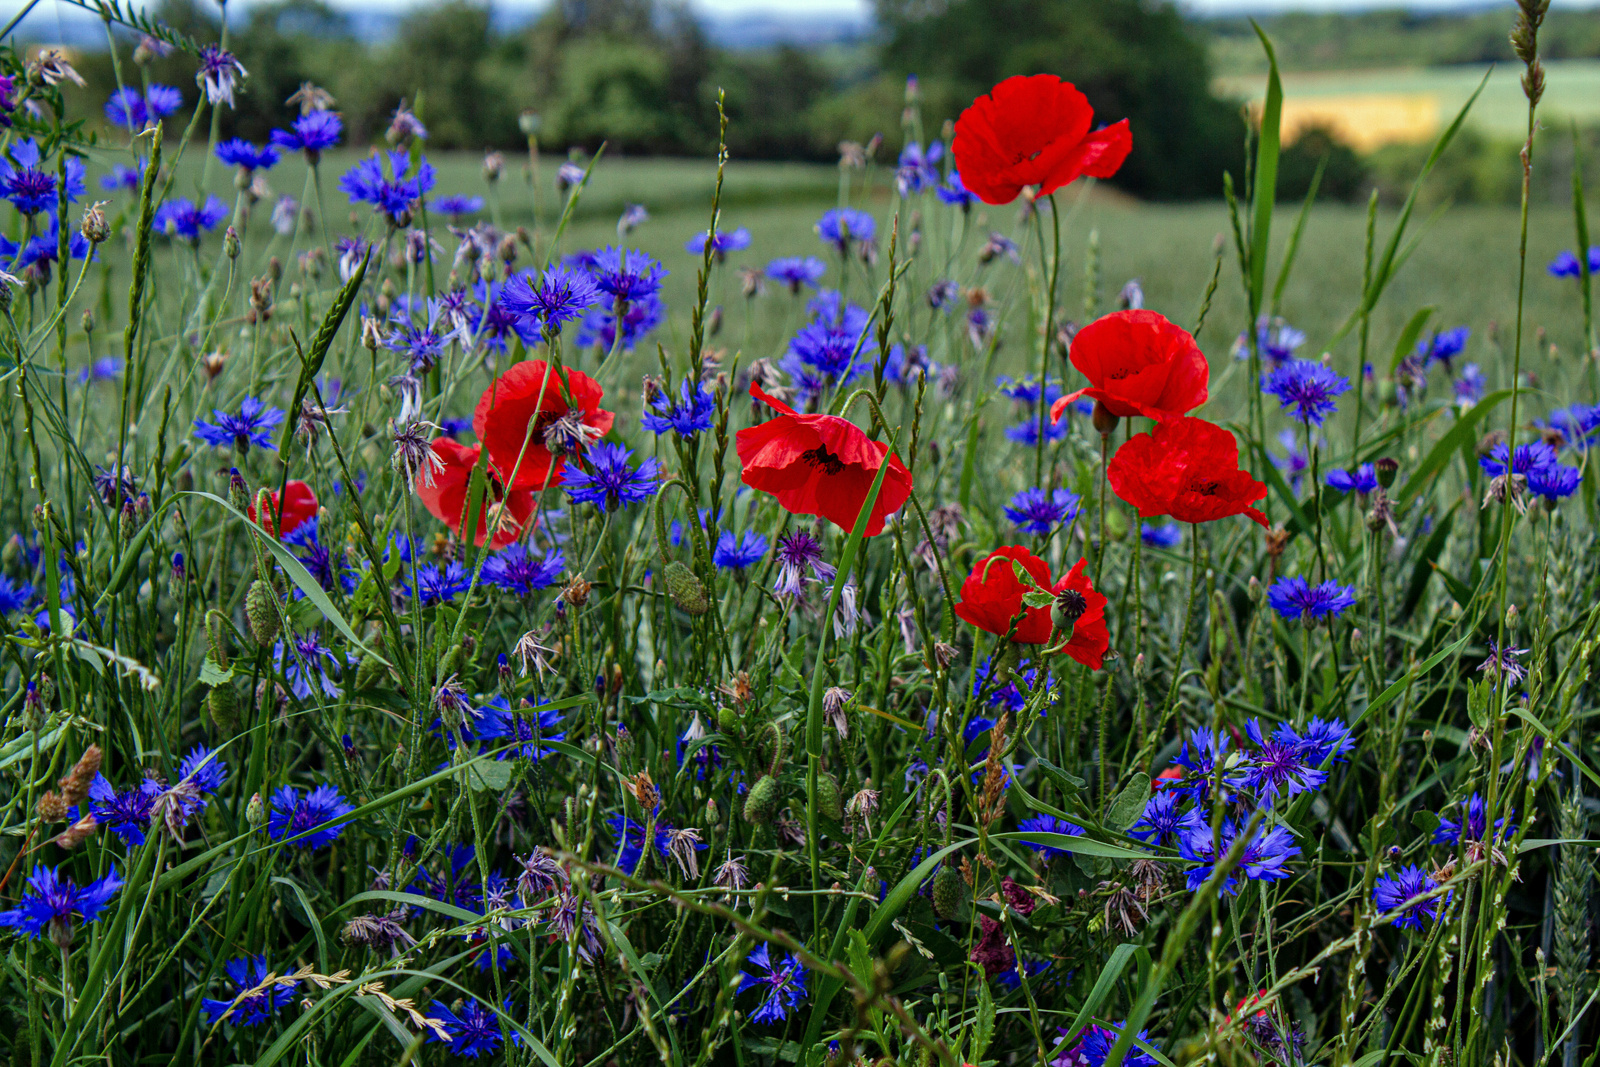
(1265,194)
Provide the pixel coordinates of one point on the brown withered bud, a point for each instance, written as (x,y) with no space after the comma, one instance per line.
(94,227)
(576,593)
(77,833)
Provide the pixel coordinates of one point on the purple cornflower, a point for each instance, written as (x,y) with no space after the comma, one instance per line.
(320,810)
(14,595)
(627,274)
(312,134)
(1265,857)
(30,187)
(690,414)
(1444,345)
(1094,1048)
(723,243)
(1554,481)
(1305,388)
(832,345)
(242,154)
(219,75)
(127,107)
(240,431)
(528,727)
(840,226)
(610,482)
(1167,535)
(1362,480)
(457,205)
(387,188)
(1293,463)
(473,1029)
(184,218)
(1566,265)
(1469,385)
(1049,824)
(308,661)
(1038,512)
(954,192)
(1005,695)
(329,569)
(439,584)
(424,344)
(916,169)
(56,902)
(737,553)
(1577,423)
(1162,822)
(1449,831)
(797,271)
(125,813)
(797,553)
(1323,739)
(1502,663)
(122,177)
(562,296)
(782,985)
(259,1007)
(517,570)
(904,368)
(999,245)
(1528,458)
(600,324)
(1398,890)
(1276,340)
(633,216)
(1295,598)
(1282,763)
(1200,763)
(104,369)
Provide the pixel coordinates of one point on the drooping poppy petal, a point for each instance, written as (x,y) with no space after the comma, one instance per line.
(1033,131)
(1090,638)
(992,595)
(529,427)
(1187,468)
(1138,363)
(820,465)
(299,507)
(446,497)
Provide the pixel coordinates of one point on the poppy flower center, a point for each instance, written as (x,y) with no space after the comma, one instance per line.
(824,460)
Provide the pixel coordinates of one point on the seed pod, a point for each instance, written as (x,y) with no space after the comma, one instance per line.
(761,803)
(949,893)
(217,638)
(728,720)
(261,608)
(828,802)
(223,705)
(686,589)
(369,672)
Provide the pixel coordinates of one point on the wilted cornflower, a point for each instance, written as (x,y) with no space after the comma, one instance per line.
(219,75)
(609,481)
(796,553)
(260,1006)
(30,187)
(518,570)
(184,218)
(285,213)
(723,243)
(840,226)
(562,295)
(1265,857)
(1502,663)
(1167,535)
(1306,388)
(473,1029)
(1036,511)
(797,271)
(782,984)
(312,133)
(320,810)
(999,245)
(405,127)
(1362,480)
(112,489)
(633,216)
(1295,598)
(57,903)
(1162,820)
(239,431)
(690,414)
(737,553)
(1395,891)
(1049,824)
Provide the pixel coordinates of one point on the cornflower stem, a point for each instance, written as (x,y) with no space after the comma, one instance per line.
(1052,270)
(1105,460)
(1183,642)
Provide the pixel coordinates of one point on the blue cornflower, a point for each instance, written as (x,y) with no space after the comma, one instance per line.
(123,177)
(1566,265)
(840,226)
(690,414)
(424,343)
(320,810)
(329,570)
(219,75)
(1294,462)
(1470,385)
(528,727)
(1282,763)
(904,368)
(721,244)
(1095,1044)
(1049,824)
(633,216)
(916,169)
(127,108)
(43,250)
(1265,858)
(312,134)
(1199,763)
(1038,512)
(1008,695)
(308,661)
(1398,890)
(600,324)
(127,812)
(1449,831)
(1305,388)
(240,431)
(631,840)
(561,296)
(202,769)
(1528,458)
(104,369)
(1027,390)
(473,1029)
(737,553)
(627,274)
(441,583)
(1162,822)
(782,985)
(242,154)
(184,218)
(1323,739)
(954,192)
(610,482)
(387,189)
(29,186)
(1276,340)
(1362,480)
(1444,345)
(1295,598)
(457,205)
(1167,535)
(1026,433)
(832,345)
(1577,423)
(14,595)
(517,570)
(1554,481)
(797,553)
(796,271)
(255,1009)
(56,902)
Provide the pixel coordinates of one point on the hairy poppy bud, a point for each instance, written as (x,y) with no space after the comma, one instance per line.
(761,803)
(949,893)
(369,672)
(828,800)
(728,721)
(222,704)
(686,589)
(216,626)
(261,608)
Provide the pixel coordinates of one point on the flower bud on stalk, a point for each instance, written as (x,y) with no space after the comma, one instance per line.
(94,227)
(261,608)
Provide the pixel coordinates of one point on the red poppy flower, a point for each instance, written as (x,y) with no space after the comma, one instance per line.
(446,498)
(299,507)
(992,596)
(1033,131)
(526,404)
(1187,468)
(820,465)
(1138,363)
(1090,638)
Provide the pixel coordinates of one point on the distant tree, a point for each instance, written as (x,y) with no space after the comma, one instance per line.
(770,94)
(1344,177)
(443,54)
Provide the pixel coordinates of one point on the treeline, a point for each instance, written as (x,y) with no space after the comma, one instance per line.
(643,76)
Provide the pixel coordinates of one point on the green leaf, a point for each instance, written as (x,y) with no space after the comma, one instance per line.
(1082,846)
(491,777)
(1426,821)
(1408,336)
(213,675)
(1426,559)
(1265,195)
(1460,434)
(983,1025)
(1129,804)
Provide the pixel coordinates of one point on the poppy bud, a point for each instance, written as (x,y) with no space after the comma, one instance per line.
(761,803)
(1385,467)
(827,797)
(686,589)
(369,672)
(1104,421)
(222,704)
(728,721)
(216,627)
(1256,591)
(949,893)
(261,608)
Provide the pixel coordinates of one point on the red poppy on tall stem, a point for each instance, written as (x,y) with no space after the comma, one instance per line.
(1138,363)
(1033,131)
(445,496)
(1187,468)
(299,508)
(820,465)
(528,426)
(992,596)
